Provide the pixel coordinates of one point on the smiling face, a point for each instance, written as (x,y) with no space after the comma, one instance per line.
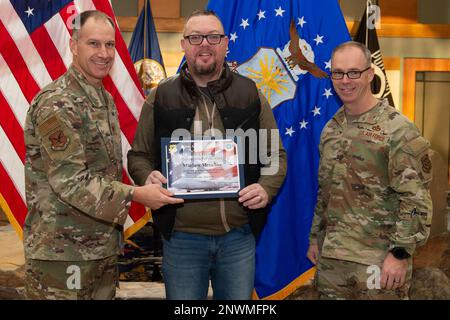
(94,49)
(204,60)
(354,93)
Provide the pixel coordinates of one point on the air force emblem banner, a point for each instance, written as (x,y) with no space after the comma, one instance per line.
(285,47)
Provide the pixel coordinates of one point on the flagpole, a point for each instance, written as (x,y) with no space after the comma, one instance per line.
(145,29)
(367,20)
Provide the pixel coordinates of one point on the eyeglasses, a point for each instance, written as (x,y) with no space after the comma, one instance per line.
(353,74)
(197,39)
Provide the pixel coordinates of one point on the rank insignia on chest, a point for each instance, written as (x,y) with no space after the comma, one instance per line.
(376,128)
(59,140)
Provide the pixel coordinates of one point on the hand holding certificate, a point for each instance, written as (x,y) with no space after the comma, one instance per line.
(253,196)
(156,177)
(207,168)
(153,196)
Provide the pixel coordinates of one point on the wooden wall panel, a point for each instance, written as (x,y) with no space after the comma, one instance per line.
(410,67)
(405,30)
(166,14)
(127,24)
(398,11)
(165,8)
(391,63)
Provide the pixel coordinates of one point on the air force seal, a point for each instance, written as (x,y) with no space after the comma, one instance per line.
(276,71)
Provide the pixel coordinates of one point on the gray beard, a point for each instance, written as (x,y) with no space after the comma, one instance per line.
(204,71)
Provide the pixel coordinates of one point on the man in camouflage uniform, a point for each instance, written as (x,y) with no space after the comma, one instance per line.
(374,205)
(76,202)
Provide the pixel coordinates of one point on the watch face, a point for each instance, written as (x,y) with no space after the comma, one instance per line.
(400,253)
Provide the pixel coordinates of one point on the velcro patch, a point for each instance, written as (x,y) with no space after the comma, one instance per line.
(59,140)
(426,163)
(48,125)
(416,146)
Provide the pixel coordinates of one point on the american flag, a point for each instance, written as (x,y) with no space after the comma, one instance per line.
(34,50)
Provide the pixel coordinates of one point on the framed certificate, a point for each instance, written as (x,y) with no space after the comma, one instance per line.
(207,168)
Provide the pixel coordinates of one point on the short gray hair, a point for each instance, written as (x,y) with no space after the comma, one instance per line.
(81,19)
(366,52)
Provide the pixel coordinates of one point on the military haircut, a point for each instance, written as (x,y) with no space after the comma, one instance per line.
(366,52)
(199,13)
(81,19)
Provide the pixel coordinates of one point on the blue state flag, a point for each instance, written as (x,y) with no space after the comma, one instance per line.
(144,51)
(285,47)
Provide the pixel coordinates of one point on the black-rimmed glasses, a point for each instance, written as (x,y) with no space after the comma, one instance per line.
(353,74)
(197,39)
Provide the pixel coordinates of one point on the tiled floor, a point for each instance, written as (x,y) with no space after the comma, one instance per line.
(11,249)
(141,290)
(144,291)
(11,258)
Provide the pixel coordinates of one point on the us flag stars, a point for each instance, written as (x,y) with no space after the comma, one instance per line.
(29,12)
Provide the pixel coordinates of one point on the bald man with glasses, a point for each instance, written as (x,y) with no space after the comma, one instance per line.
(373,205)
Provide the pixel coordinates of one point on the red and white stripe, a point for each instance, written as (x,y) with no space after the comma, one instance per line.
(27,64)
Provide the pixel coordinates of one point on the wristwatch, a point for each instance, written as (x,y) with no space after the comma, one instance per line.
(400,253)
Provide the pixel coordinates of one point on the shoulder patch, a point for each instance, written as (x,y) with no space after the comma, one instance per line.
(58,140)
(393,115)
(416,146)
(426,163)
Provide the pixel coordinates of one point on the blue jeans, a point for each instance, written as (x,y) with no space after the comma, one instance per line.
(191,260)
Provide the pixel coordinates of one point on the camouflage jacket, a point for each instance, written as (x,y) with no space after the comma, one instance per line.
(73,167)
(374,180)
